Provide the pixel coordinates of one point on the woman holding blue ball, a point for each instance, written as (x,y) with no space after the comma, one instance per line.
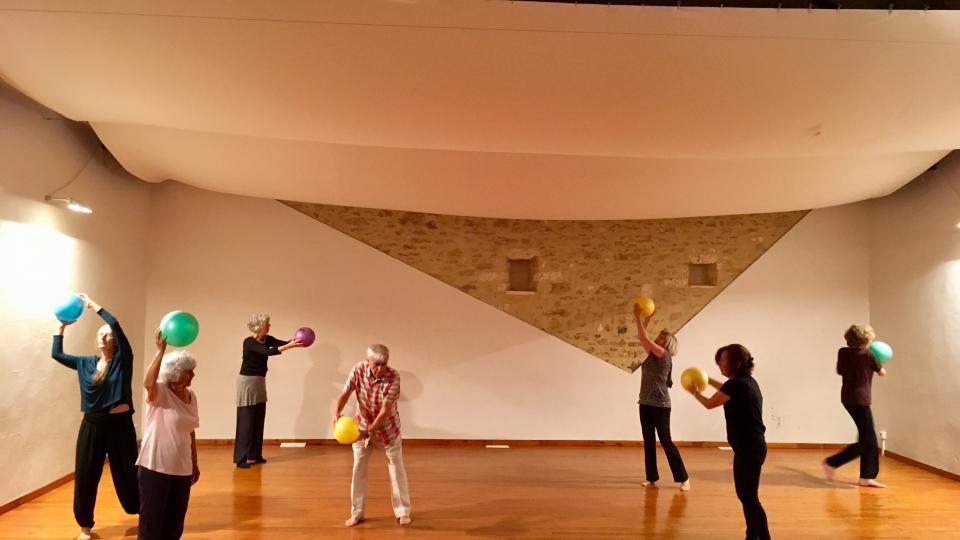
(107,427)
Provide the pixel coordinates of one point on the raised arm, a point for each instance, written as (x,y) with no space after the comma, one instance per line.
(153,371)
(57,352)
(123,344)
(714,383)
(648,344)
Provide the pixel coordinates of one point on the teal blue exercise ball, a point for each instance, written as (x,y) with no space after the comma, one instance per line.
(70,309)
(881,351)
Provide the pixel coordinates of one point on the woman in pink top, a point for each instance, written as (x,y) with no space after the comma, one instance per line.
(168,453)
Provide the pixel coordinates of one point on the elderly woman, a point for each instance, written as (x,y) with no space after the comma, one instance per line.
(856,364)
(654,403)
(252,389)
(168,455)
(107,427)
(742,407)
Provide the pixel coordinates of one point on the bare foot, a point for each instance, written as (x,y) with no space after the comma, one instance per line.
(685,485)
(870,482)
(354,520)
(828,471)
(84,534)
(649,484)
(404,520)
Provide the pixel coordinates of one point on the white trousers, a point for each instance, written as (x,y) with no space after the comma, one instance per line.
(399,493)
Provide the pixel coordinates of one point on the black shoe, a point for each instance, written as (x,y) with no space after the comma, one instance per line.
(260,460)
(243,465)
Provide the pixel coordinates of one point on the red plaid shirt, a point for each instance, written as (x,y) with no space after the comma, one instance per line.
(372,395)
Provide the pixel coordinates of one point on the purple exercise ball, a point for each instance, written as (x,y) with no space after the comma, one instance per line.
(305,335)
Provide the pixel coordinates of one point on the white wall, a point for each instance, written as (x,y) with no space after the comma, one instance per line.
(470,371)
(915,307)
(47,251)
(791,308)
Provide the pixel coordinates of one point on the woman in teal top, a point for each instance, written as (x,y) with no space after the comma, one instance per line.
(107,427)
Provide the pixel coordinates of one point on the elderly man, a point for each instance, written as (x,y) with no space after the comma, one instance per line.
(377,387)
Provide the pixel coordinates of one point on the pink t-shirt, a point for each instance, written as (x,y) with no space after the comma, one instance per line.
(167,424)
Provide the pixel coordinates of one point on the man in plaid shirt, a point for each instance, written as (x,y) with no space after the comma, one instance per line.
(378,388)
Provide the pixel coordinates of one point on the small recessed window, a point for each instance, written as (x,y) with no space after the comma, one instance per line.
(521,274)
(703,275)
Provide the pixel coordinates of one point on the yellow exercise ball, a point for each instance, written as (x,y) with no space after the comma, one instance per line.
(644,306)
(694,377)
(346,431)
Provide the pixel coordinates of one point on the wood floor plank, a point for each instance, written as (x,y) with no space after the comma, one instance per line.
(527,492)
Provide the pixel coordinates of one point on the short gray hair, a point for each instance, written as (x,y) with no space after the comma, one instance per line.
(378,353)
(257,320)
(174,364)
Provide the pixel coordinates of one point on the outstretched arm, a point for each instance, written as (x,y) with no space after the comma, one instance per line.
(271,346)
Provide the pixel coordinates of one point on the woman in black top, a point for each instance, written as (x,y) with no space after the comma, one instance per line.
(252,389)
(856,364)
(107,427)
(742,408)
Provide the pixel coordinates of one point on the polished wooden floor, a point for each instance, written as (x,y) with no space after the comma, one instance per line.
(545,492)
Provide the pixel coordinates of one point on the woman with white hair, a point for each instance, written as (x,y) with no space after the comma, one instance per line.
(252,389)
(168,456)
(107,427)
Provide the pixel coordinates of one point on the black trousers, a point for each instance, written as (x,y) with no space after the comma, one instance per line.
(163,504)
(747,463)
(655,422)
(865,448)
(248,443)
(103,435)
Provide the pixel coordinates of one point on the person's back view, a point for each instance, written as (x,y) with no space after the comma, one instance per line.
(856,364)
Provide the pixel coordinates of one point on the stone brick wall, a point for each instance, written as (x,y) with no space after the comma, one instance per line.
(588,272)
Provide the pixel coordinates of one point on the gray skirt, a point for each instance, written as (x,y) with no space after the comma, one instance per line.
(251,390)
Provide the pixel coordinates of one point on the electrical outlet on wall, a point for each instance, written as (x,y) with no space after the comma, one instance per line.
(883,435)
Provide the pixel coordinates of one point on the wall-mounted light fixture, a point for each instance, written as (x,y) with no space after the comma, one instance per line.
(69,202)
